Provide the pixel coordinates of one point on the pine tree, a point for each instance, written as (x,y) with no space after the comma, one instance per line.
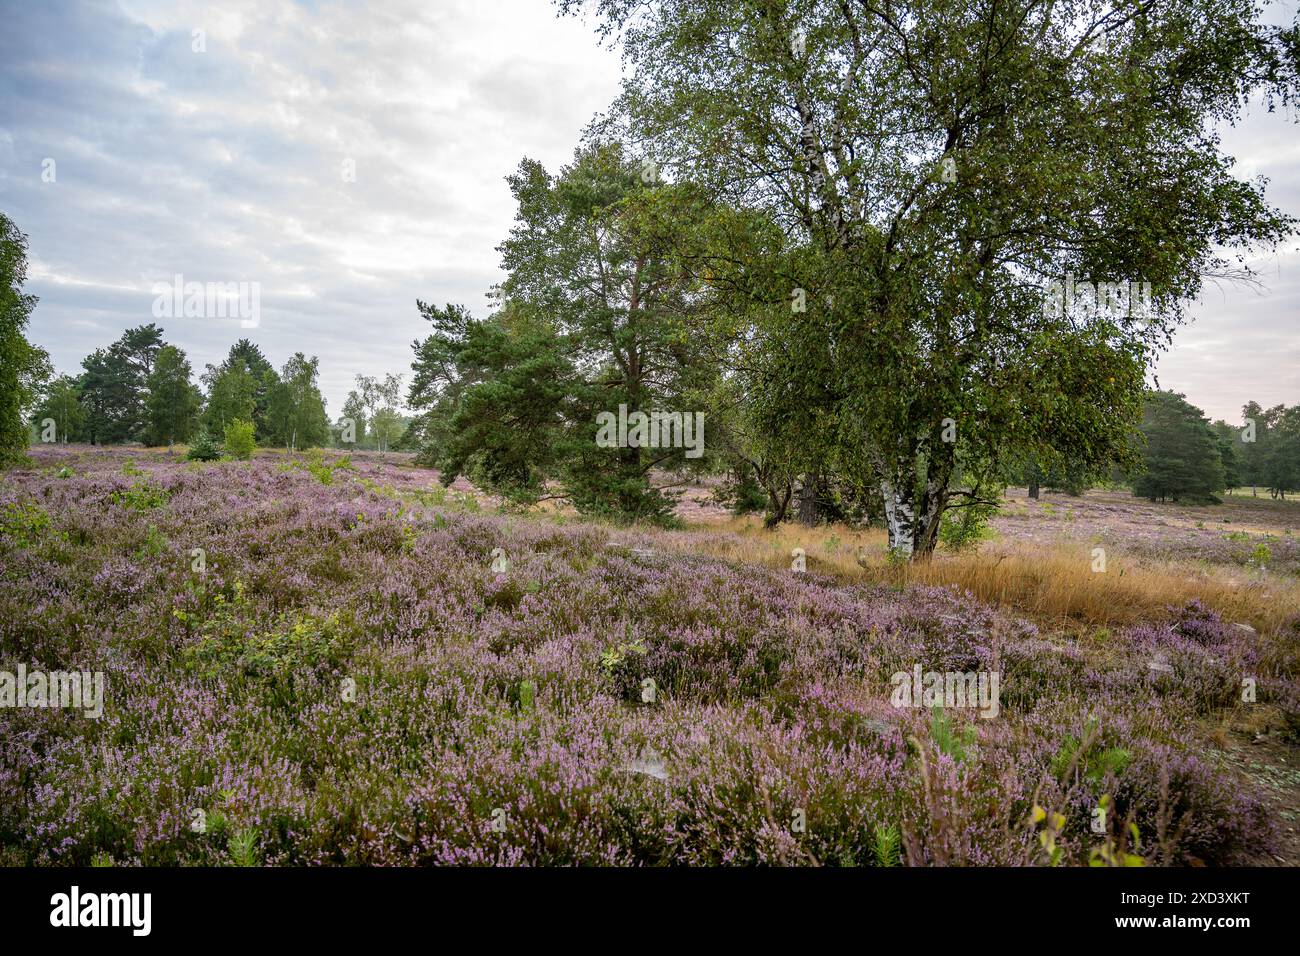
(114,385)
(1182,460)
(241,388)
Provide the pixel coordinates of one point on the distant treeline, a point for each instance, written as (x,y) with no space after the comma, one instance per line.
(140,389)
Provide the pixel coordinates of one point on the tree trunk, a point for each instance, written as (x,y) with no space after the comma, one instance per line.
(899,519)
(927,528)
(777,506)
(808,500)
(914,525)
(629,466)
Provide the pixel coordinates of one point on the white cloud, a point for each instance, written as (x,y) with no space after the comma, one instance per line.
(227,165)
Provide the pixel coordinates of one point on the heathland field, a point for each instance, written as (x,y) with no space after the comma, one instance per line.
(322,660)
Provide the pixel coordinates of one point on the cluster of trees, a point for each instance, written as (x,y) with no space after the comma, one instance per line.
(1267,449)
(140,389)
(285,408)
(1179,455)
(137,389)
(831,228)
(371,415)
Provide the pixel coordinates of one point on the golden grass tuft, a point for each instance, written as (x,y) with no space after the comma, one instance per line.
(1051,584)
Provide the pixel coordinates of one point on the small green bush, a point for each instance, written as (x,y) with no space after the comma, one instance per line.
(243,848)
(239,440)
(25,522)
(229,645)
(205,448)
(141,496)
(322,469)
(962,529)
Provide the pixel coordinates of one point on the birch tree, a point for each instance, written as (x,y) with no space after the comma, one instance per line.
(946,170)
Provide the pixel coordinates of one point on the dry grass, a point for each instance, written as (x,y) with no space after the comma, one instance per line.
(1059,584)
(1054,584)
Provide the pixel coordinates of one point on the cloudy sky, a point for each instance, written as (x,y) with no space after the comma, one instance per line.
(231,163)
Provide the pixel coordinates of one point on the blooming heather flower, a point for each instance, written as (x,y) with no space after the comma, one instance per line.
(227,702)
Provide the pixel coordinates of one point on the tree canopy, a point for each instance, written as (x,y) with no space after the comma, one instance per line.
(592,320)
(23,367)
(933,168)
(1182,457)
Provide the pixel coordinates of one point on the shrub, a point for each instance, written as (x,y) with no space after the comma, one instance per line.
(239,440)
(230,645)
(205,448)
(25,522)
(1196,815)
(321,469)
(1288,700)
(964,528)
(141,496)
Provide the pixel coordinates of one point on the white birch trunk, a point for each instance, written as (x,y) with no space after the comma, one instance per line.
(900,519)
